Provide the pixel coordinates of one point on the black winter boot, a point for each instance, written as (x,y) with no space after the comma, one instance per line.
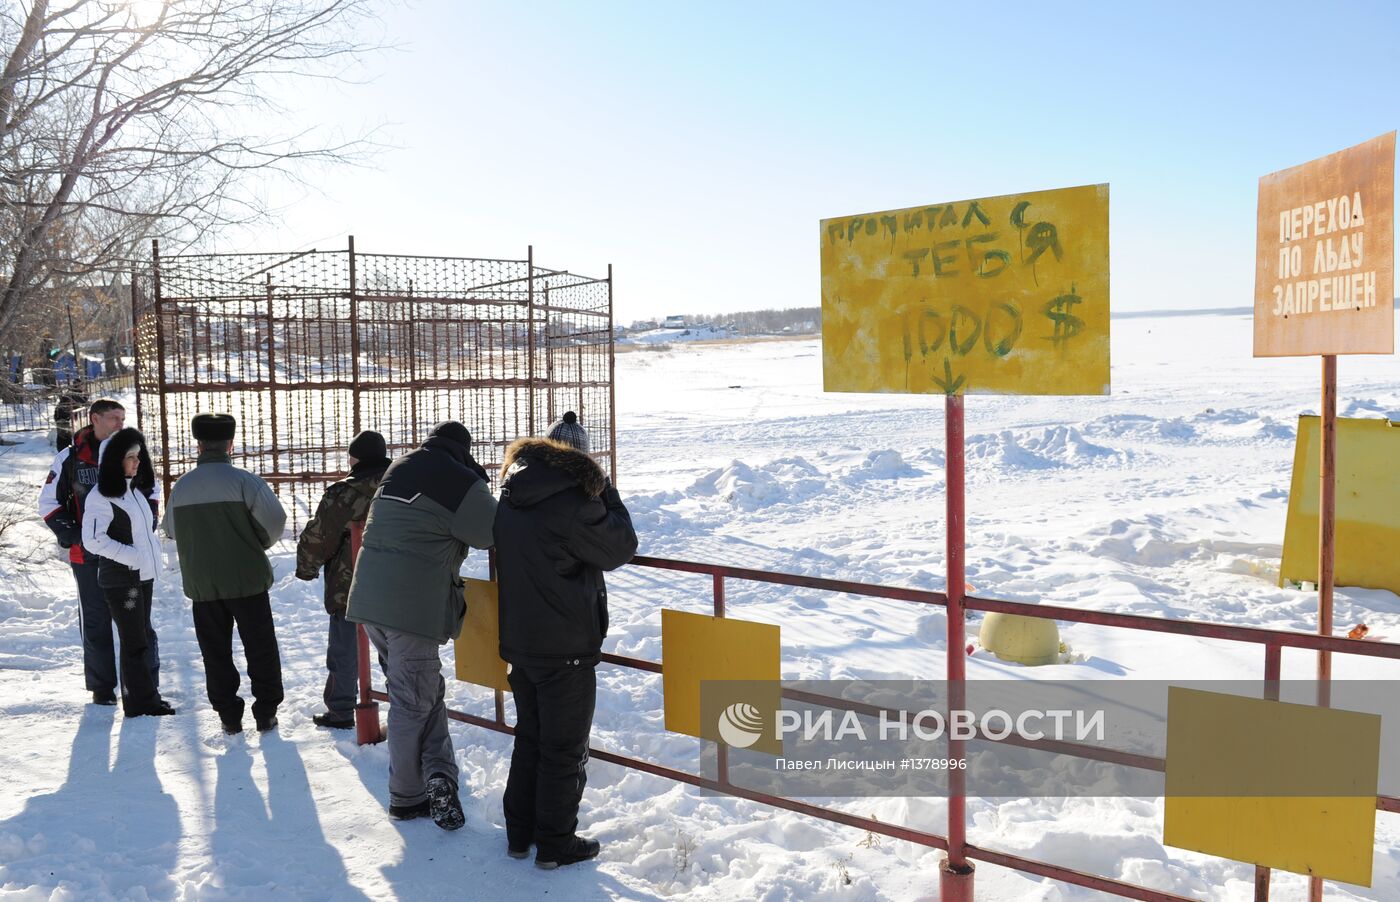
(409,812)
(161,708)
(578,849)
(443,802)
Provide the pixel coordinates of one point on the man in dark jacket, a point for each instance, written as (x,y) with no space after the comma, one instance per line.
(559,525)
(431,505)
(224,519)
(70,401)
(325,543)
(71,476)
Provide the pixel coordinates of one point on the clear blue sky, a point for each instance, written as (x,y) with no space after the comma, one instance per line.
(696,147)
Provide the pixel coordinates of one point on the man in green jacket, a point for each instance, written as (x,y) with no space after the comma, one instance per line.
(432,504)
(223,520)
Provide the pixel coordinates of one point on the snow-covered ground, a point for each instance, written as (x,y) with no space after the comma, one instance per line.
(1166,498)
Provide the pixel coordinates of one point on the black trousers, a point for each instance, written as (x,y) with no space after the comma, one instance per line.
(131,613)
(95,626)
(554,715)
(213,627)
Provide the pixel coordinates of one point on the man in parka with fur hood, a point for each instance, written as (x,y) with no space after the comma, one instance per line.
(559,525)
(325,542)
(433,503)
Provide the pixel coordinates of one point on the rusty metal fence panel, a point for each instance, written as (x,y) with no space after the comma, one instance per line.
(306,349)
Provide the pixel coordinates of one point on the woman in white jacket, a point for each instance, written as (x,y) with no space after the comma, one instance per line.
(119,526)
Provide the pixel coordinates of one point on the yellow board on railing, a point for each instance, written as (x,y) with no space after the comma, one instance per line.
(1302,783)
(696,648)
(1001,295)
(1368,505)
(478,648)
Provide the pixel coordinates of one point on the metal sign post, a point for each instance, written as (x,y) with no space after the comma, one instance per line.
(956,878)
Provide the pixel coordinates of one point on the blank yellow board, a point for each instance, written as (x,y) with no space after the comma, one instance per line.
(1001,295)
(1303,781)
(1368,505)
(699,647)
(478,648)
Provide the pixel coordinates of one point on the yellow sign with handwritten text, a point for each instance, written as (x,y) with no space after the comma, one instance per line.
(1324,270)
(1000,295)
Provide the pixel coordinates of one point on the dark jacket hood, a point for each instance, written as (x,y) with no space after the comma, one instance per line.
(538,468)
(458,452)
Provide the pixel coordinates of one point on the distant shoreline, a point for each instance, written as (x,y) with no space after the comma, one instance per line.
(1197,311)
(1125,314)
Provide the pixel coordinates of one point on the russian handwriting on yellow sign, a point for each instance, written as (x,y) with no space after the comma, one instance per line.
(1368,505)
(1324,269)
(1271,783)
(1003,295)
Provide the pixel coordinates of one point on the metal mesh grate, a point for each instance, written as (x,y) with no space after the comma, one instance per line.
(307,349)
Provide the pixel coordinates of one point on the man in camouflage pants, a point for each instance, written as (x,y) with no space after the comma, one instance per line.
(325,543)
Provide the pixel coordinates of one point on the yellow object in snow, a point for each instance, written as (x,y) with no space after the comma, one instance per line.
(1271,783)
(478,647)
(740,662)
(1368,505)
(1032,641)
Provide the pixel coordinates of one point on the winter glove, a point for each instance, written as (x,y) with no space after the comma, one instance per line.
(307,574)
(611,499)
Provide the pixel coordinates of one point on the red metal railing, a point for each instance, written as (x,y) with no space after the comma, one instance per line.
(1274,641)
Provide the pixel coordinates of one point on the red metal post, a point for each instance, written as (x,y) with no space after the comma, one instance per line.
(500,696)
(1273,665)
(1327,521)
(367,729)
(354,342)
(721,750)
(1326,545)
(530,338)
(161,380)
(612,380)
(136,354)
(272,378)
(956,878)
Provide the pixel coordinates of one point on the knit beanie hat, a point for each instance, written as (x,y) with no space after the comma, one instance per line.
(568,430)
(368,445)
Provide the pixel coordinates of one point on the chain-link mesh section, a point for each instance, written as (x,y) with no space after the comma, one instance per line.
(306,349)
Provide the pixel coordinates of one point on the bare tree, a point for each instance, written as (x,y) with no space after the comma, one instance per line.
(123,120)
